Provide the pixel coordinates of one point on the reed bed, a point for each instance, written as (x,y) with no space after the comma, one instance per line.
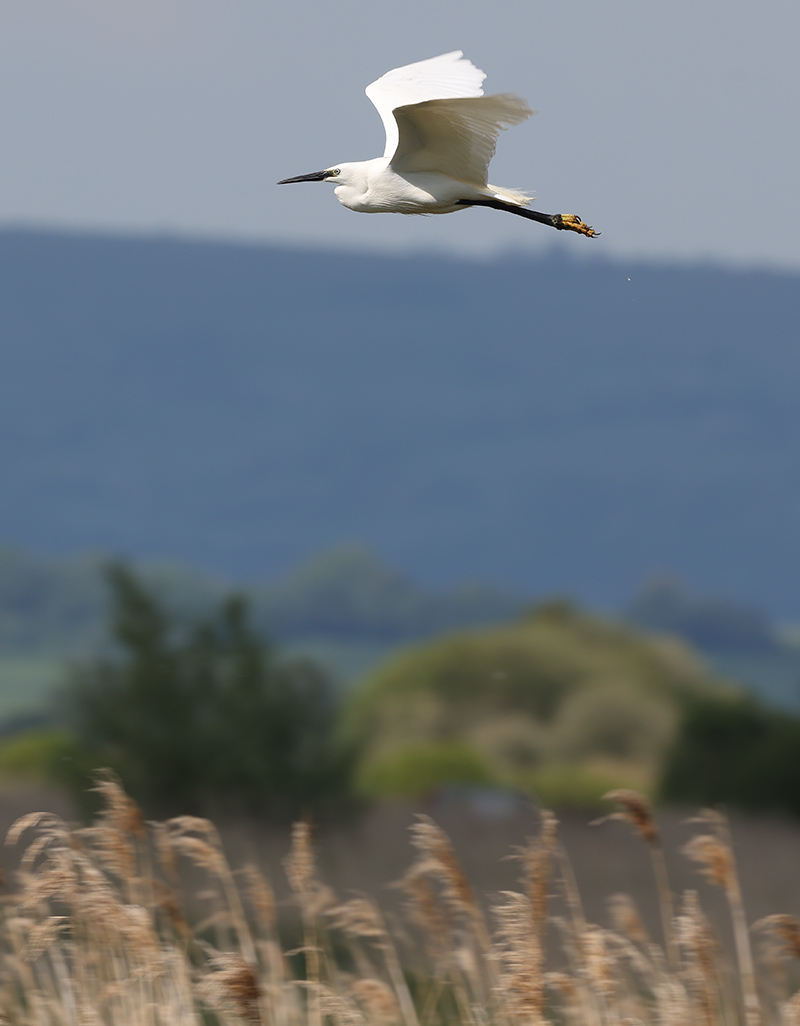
(98,930)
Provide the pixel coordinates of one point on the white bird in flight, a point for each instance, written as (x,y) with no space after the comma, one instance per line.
(441,134)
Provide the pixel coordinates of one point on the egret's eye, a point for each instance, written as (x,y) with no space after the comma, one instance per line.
(336,171)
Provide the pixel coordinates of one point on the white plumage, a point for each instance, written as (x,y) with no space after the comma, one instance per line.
(441,134)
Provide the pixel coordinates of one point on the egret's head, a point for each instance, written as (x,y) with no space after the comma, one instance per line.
(351,180)
(328,175)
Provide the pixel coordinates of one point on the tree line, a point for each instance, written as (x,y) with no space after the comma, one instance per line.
(205,716)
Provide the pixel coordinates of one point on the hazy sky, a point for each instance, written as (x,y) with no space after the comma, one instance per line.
(672,127)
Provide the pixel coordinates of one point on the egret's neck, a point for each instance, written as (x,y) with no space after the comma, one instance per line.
(356,182)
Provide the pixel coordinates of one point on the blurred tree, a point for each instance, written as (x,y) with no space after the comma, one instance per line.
(737,751)
(556,688)
(205,718)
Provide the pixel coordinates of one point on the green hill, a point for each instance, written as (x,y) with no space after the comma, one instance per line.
(560,702)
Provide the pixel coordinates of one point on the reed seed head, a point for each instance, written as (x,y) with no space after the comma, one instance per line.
(785,930)
(714,858)
(233,986)
(636,810)
(626,919)
(437,859)
(377,1000)
(358,918)
(299,864)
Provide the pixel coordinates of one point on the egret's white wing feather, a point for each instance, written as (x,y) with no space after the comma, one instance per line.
(438,78)
(456,137)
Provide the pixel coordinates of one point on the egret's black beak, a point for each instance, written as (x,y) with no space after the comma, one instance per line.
(315,176)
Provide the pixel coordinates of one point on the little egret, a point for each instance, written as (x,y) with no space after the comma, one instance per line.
(441,133)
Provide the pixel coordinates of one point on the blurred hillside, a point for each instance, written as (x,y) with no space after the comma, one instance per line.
(349,611)
(61,606)
(344,607)
(560,703)
(557,427)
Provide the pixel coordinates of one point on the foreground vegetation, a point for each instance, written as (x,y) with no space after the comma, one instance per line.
(129,923)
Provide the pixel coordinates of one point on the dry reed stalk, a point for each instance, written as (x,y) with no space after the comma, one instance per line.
(521,935)
(18,976)
(563,984)
(783,936)
(207,851)
(626,919)
(338,1007)
(165,903)
(637,990)
(672,1003)
(262,897)
(537,861)
(360,918)
(113,959)
(468,974)
(77,950)
(600,965)
(262,900)
(786,932)
(424,910)
(520,957)
(112,964)
(118,827)
(700,947)
(438,860)
(301,872)
(48,874)
(790,1013)
(637,811)
(573,931)
(377,1000)
(167,895)
(714,854)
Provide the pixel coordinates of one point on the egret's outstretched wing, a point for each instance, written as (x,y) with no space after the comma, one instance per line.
(437,118)
(457,137)
(438,78)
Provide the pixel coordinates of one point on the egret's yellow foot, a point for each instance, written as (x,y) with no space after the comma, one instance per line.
(573,223)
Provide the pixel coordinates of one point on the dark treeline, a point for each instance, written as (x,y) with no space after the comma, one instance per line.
(204,716)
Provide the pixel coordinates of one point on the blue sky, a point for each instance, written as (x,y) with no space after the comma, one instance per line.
(672,127)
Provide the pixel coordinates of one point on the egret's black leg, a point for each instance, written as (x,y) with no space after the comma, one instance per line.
(562,222)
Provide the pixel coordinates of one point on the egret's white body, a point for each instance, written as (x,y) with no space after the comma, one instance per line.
(441,134)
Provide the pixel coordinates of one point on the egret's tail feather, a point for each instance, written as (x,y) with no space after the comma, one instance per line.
(519,199)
